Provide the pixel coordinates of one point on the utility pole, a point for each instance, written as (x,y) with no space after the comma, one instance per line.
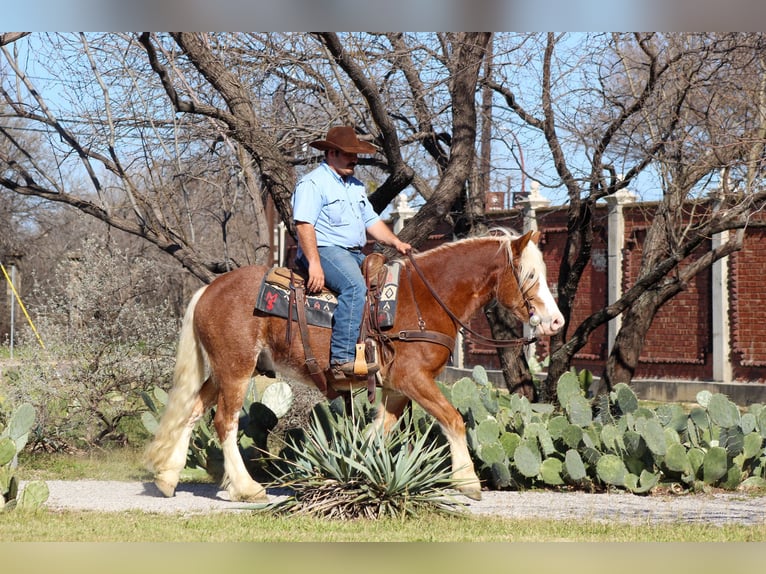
(10,276)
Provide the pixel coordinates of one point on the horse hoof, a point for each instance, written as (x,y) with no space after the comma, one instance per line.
(472,493)
(262,497)
(167,489)
(256,496)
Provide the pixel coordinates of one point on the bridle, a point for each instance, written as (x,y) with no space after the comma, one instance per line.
(497,343)
(534,318)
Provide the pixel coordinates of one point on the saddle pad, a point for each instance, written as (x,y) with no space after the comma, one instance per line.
(274,298)
(389,291)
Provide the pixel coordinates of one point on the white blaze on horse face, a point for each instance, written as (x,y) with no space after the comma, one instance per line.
(545,318)
(548,318)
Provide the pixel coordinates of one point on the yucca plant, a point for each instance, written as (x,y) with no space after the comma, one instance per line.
(340,468)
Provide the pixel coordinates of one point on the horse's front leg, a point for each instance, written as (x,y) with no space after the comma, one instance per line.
(423,390)
(391,407)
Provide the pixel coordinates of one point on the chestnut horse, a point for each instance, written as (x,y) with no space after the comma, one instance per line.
(222,335)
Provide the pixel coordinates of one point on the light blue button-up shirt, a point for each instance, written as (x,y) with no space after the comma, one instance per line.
(339,210)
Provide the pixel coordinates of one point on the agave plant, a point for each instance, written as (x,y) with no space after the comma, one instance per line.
(341,468)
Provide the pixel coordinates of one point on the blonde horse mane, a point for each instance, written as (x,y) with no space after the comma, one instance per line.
(530,264)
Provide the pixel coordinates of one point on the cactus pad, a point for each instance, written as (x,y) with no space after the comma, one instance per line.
(527,460)
(550,471)
(34,495)
(579,411)
(487,431)
(574,466)
(653,434)
(625,397)
(714,465)
(492,452)
(722,411)
(501,475)
(677,460)
(568,387)
(610,469)
(7,451)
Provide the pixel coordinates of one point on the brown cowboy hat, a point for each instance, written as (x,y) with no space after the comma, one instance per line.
(344,139)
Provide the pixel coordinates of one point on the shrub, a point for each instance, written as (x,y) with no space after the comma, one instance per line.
(106,341)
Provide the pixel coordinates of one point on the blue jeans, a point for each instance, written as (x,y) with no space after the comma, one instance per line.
(343,275)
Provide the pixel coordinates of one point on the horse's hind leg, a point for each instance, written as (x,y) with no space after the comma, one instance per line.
(239,484)
(166,478)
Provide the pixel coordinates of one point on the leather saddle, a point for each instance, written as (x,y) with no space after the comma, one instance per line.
(283,293)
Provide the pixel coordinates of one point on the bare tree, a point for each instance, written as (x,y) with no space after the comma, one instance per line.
(164,120)
(639,80)
(183,139)
(732,80)
(120,157)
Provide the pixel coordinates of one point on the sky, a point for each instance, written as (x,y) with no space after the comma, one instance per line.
(403,15)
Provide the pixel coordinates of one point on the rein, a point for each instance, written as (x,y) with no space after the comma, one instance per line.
(496,343)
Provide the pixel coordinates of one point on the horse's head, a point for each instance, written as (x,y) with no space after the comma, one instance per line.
(523,287)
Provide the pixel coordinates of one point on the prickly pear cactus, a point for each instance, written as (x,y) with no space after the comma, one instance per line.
(33,496)
(611,441)
(13,438)
(19,425)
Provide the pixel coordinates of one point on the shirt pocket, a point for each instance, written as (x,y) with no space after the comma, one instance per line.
(337,213)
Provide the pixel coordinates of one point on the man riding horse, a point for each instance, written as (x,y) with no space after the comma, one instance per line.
(332,217)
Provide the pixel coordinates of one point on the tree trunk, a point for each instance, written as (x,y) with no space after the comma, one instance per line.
(512,359)
(577,255)
(622,361)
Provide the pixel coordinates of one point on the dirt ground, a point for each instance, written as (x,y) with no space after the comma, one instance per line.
(718,508)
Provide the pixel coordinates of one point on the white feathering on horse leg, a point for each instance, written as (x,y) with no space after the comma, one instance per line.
(463,473)
(166,478)
(239,484)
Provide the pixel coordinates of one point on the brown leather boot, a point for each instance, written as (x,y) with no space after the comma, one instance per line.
(347,369)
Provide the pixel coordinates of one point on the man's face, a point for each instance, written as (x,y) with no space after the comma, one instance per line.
(343,163)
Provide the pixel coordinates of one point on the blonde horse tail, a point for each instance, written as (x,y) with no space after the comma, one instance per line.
(165,452)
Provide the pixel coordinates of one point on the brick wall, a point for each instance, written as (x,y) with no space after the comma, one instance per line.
(747,287)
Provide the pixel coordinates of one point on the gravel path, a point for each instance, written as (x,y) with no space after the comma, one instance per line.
(718,508)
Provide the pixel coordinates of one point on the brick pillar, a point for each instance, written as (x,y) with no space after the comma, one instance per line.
(615,245)
(529,206)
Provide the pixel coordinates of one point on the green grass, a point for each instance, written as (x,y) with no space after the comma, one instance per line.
(249,526)
(107,464)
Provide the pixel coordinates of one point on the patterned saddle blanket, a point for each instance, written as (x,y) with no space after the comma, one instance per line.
(274,297)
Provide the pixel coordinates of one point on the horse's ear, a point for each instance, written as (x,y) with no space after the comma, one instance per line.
(518,245)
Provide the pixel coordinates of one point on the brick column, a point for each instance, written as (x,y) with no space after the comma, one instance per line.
(529,206)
